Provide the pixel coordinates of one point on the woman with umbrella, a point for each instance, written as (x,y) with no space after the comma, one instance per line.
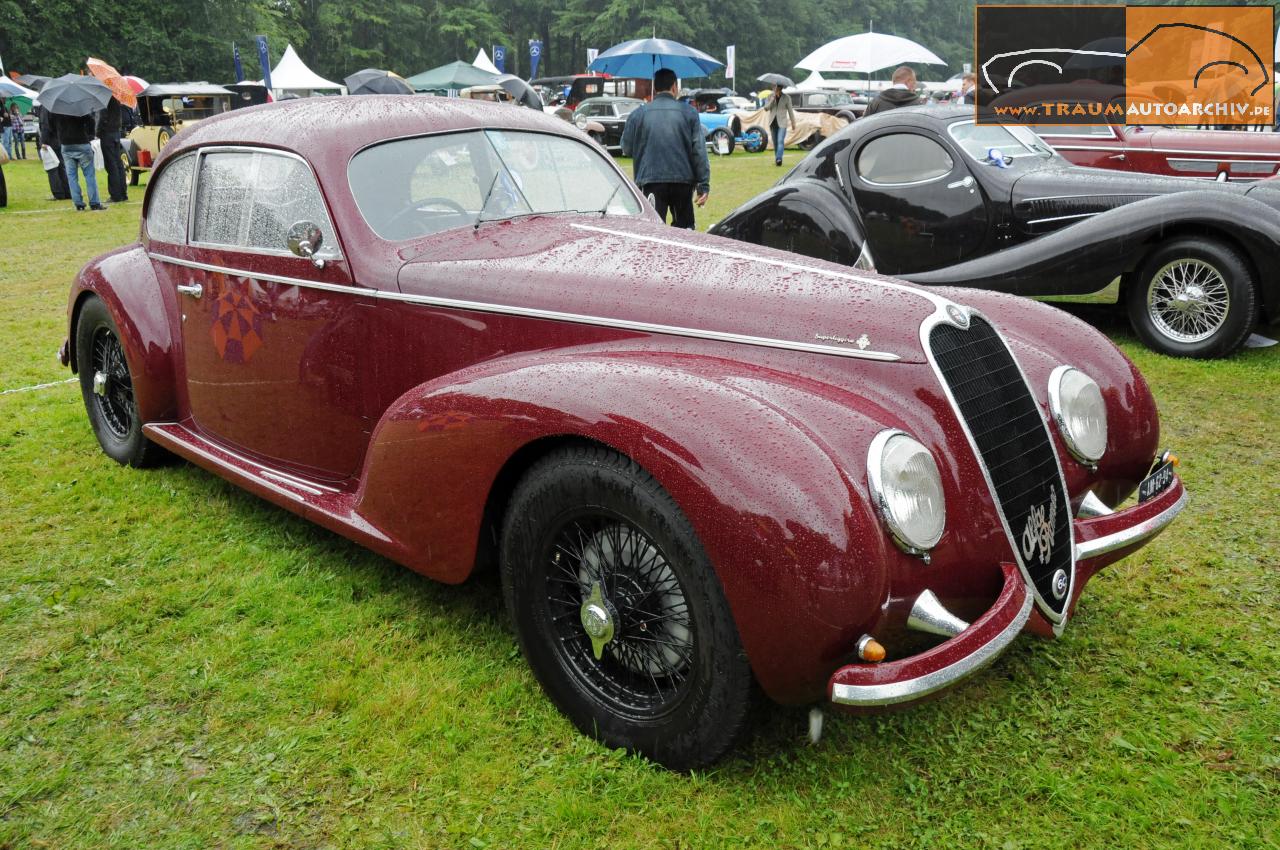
(781,114)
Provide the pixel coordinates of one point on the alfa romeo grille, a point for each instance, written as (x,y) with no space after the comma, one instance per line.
(1013,444)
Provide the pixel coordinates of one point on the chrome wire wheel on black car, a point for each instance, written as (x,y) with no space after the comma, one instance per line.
(106,386)
(1194,298)
(619,612)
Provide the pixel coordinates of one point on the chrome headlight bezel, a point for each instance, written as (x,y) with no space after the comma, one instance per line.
(1086,448)
(876,455)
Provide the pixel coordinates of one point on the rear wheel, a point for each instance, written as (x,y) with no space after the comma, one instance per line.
(107,388)
(1194,298)
(619,612)
(754,139)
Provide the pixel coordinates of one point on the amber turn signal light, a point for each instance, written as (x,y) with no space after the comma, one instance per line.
(870,649)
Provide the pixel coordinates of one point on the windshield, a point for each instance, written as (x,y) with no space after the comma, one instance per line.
(414,187)
(1012,141)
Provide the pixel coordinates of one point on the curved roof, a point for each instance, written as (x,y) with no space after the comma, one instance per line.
(324,127)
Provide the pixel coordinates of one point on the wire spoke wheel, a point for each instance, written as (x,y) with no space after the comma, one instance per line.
(1188,300)
(620,615)
(112,386)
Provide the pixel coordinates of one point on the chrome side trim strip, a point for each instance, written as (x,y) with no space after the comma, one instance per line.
(1062,217)
(920,686)
(550,315)
(1133,534)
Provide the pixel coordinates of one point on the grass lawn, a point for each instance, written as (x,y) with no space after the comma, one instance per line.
(185,666)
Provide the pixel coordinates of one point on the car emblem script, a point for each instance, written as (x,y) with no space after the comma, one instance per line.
(1037,534)
(957,315)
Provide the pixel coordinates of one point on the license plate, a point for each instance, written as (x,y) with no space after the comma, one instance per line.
(1156,482)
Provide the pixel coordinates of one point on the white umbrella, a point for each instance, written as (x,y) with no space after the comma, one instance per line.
(867,52)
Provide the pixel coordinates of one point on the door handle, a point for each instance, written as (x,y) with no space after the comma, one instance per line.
(195,290)
(966,183)
(1118,156)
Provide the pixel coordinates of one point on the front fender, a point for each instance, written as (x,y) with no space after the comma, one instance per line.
(803,216)
(1083,258)
(126,282)
(800,554)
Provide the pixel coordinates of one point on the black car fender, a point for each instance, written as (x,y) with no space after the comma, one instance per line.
(802,215)
(1085,257)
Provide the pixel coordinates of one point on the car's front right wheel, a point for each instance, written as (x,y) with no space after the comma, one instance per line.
(1194,297)
(618,611)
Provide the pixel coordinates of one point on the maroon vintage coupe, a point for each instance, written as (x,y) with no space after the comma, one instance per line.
(454,333)
(1235,155)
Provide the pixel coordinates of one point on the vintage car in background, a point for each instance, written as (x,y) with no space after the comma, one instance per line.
(807,133)
(454,333)
(928,195)
(165,108)
(610,116)
(1238,156)
(841,104)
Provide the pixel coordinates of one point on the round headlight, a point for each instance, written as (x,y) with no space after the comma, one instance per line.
(1077,406)
(907,490)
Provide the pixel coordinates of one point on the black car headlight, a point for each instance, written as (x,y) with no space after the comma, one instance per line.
(906,490)
(1075,401)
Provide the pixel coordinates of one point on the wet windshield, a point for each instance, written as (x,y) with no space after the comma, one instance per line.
(414,187)
(1012,141)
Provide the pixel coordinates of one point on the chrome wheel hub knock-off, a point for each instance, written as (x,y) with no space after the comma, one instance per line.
(597,620)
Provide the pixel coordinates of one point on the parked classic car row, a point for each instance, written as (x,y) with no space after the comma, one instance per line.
(454,333)
(926,194)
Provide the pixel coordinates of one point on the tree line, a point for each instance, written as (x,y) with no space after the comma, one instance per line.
(164,41)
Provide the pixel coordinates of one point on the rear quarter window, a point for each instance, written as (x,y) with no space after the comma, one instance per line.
(169,197)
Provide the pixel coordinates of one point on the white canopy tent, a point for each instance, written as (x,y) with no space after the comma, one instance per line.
(291,74)
(483,62)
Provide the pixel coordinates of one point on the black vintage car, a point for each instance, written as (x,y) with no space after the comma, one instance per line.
(927,195)
(610,113)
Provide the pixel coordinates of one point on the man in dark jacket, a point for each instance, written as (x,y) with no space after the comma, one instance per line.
(109,135)
(76,134)
(669,148)
(49,139)
(902,92)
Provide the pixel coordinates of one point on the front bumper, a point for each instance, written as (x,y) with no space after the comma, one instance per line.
(1099,541)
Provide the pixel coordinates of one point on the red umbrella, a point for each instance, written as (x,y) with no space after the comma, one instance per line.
(113,80)
(136,83)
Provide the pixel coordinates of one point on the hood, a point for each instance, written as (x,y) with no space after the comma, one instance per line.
(633,273)
(1054,196)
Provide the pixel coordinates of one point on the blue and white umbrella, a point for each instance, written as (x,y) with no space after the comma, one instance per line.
(8,88)
(641,57)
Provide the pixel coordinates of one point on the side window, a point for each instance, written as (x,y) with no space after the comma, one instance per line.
(247,199)
(169,197)
(900,158)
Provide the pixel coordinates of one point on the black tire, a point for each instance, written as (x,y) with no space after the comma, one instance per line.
(1194,297)
(586,519)
(812,142)
(718,134)
(754,139)
(109,400)
(134,174)
(846,115)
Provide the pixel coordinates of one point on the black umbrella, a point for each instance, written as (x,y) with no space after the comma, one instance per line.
(377,81)
(776,80)
(72,94)
(33,81)
(520,91)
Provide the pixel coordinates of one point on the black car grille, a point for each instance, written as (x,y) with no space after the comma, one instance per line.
(1014,446)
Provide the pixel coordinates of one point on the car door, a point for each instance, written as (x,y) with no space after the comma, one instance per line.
(272,342)
(921,207)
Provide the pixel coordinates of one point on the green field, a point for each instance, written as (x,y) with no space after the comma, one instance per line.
(185,666)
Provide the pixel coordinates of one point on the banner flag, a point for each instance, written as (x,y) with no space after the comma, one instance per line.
(535,56)
(500,58)
(265,60)
(730,54)
(235,57)
(592,53)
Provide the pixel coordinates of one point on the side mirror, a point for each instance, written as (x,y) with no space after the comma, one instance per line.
(304,239)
